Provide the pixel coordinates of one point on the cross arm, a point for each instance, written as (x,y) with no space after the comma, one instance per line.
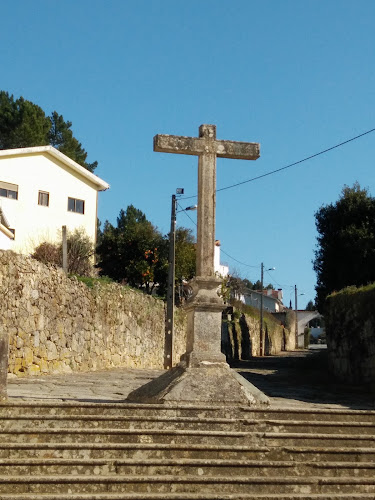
(238,150)
(164,143)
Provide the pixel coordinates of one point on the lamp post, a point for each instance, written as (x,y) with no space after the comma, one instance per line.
(169,321)
(261,339)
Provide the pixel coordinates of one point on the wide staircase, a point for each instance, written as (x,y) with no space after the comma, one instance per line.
(140,452)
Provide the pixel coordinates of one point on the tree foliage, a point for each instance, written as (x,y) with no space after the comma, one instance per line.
(185,254)
(310,306)
(130,252)
(345,253)
(80,250)
(24,124)
(136,253)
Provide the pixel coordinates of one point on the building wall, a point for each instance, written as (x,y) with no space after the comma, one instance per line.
(221,269)
(34,223)
(5,242)
(269,303)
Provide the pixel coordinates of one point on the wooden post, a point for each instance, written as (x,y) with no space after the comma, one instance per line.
(169,323)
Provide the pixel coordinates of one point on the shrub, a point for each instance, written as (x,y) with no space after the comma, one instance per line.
(48,253)
(80,253)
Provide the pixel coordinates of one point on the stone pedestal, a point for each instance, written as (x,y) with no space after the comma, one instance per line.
(202,377)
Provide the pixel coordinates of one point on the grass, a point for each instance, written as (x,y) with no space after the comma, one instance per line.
(90,282)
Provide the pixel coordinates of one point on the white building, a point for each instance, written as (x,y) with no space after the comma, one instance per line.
(220,269)
(42,190)
(272,299)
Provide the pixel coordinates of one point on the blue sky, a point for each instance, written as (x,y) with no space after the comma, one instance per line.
(296,76)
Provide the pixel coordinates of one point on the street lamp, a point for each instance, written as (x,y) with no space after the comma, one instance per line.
(261,339)
(295,311)
(169,321)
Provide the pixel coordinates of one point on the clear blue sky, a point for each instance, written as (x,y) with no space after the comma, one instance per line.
(296,76)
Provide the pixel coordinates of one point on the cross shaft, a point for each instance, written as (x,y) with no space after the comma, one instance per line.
(207,148)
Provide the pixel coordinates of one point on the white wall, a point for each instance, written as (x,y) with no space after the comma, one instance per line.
(220,269)
(5,242)
(34,223)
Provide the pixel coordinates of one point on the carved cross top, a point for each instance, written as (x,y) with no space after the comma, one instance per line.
(207,148)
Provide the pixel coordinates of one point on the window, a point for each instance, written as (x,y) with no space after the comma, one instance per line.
(8,190)
(43,198)
(75,205)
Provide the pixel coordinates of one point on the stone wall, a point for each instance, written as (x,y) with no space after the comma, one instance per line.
(241,335)
(57,324)
(350,330)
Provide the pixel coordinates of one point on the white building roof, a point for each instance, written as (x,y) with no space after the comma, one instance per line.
(49,150)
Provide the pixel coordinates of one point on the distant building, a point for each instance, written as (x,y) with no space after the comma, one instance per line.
(220,269)
(272,299)
(41,190)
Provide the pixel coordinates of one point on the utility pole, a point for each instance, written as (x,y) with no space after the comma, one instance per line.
(295,310)
(169,323)
(261,342)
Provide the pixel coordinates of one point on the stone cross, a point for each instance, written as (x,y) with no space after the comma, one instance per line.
(207,148)
(203,377)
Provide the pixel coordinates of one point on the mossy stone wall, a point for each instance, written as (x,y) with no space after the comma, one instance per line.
(350,329)
(56,324)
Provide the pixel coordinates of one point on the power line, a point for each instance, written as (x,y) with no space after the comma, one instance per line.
(187,215)
(293,164)
(227,254)
(239,262)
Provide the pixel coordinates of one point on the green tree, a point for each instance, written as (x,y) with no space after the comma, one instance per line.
(61,137)
(345,253)
(133,252)
(24,124)
(310,306)
(185,254)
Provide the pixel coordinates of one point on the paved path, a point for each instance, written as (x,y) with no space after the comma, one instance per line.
(298,379)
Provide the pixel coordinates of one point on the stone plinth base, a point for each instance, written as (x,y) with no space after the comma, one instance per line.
(208,384)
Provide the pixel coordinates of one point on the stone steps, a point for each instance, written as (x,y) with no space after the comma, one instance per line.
(188,467)
(316,415)
(95,421)
(178,436)
(133,411)
(184,484)
(121,410)
(31,421)
(113,452)
(193,496)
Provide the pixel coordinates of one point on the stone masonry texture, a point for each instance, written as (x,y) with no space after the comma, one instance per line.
(57,324)
(350,329)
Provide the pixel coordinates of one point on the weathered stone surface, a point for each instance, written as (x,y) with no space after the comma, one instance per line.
(350,327)
(3,363)
(203,377)
(205,384)
(72,327)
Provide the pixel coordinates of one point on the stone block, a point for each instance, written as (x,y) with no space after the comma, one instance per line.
(52,353)
(28,356)
(33,370)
